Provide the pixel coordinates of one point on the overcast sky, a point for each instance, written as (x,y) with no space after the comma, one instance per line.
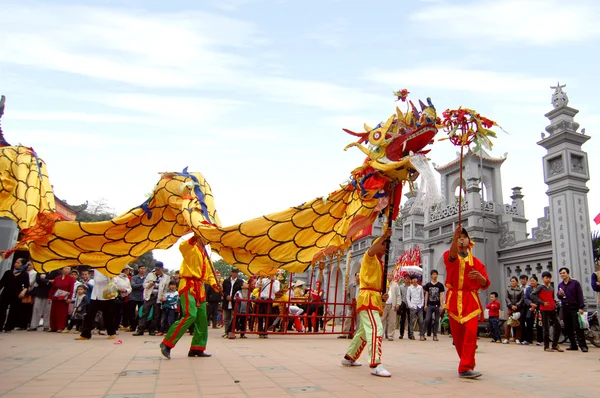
(254,94)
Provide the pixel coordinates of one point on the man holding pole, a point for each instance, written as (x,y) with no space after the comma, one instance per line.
(465,276)
(370,308)
(196,269)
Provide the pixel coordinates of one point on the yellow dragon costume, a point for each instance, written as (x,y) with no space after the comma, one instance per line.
(182,202)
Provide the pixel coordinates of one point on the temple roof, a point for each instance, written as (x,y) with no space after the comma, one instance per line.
(73,208)
(480,154)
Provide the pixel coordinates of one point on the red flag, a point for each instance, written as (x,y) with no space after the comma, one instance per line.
(597,219)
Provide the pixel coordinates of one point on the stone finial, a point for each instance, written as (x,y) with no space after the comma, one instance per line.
(559,97)
(517,194)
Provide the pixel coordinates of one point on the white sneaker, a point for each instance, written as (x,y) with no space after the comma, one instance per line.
(347,362)
(517,342)
(380,371)
(504,341)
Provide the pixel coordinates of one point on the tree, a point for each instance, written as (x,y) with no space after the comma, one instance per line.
(146,259)
(223,268)
(99,210)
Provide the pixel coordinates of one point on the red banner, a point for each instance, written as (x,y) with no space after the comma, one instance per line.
(366,231)
(597,219)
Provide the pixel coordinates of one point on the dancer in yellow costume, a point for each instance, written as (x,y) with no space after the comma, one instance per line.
(370,308)
(195,270)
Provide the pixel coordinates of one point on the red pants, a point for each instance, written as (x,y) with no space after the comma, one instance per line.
(59,313)
(465,342)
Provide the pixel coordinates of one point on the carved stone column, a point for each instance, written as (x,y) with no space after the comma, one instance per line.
(566,173)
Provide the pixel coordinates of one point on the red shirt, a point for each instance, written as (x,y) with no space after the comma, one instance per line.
(494,309)
(462,300)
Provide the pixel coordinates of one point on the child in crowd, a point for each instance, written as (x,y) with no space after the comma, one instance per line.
(243,308)
(494,317)
(169,308)
(543,296)
(80,303)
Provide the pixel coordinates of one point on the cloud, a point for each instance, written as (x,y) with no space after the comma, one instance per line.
(534,22)
(135,47)
(71,139)
(79,117)
(457,79)
(191,51)
(313,93)
(330,34)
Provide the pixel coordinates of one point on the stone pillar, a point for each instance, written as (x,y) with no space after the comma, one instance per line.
(519,223)
(566,174)
(9,233)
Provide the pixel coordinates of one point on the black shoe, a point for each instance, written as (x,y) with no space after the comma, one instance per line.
(152,334)
(572,349)
(584,349)
(469,374)
(166,351)
(198,353)
(138,333)
(32,330)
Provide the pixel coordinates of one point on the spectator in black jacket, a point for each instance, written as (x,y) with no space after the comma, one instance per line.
(14,285)
(231,286)
(213,299)
(41,305)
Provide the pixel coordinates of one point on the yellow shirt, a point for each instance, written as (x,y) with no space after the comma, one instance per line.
(371,275)
(278,300)
(195,270)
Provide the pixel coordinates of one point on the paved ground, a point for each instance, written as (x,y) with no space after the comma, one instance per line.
(38,364)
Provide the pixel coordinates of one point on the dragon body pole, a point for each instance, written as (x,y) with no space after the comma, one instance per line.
(389,239)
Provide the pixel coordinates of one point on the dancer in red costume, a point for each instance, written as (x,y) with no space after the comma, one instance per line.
(465,276)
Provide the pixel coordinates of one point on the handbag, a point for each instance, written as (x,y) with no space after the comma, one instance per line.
(28,299)
(61,294)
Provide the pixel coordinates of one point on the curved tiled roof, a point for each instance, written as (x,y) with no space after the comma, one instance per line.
(485,156)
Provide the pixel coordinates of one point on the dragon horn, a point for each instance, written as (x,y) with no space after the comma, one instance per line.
(367,128)
(385,128)
(363,137)
(414,110)
(422,105)
(430,103)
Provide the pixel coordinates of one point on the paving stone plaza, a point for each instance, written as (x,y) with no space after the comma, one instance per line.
(37,364)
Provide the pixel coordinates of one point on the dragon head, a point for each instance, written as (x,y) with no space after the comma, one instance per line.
(403,133)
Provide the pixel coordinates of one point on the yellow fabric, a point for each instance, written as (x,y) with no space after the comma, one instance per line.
(25,189)
(291,239)
(294,238)
(196,266)
(371,274)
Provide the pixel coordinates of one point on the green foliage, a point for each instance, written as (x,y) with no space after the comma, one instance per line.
(146,259)
(223,268)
